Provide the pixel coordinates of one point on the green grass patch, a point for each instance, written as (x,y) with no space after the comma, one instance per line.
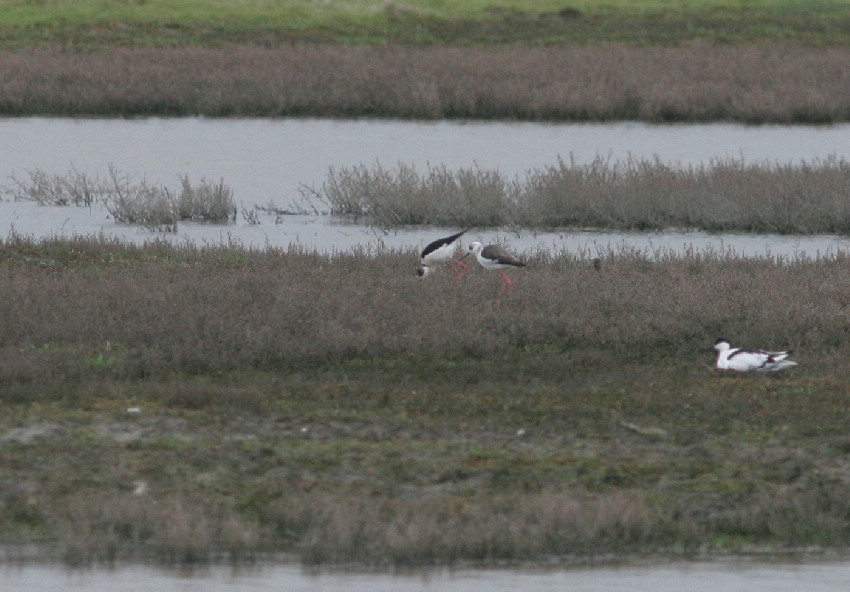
(157,22)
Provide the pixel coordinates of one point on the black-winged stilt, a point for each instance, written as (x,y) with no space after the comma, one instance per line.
(496,258)
(748,360)
(442,251)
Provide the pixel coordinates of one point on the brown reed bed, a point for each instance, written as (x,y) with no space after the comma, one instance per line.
(185,403)
(778,83)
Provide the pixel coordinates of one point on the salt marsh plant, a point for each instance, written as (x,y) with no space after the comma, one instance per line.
(149,206)
(205,202)
(153,206)
(72,188)
(636,194)
(402,196)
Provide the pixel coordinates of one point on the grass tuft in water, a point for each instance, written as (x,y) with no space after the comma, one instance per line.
(726,195)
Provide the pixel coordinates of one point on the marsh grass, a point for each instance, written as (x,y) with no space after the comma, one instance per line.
(693,82)
(206,202)
(725,195)
(394,422)
(217,309)
(637,194)
(152,206)
(149,206)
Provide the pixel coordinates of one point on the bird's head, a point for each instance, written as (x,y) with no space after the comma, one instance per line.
(474,248)
(722,344)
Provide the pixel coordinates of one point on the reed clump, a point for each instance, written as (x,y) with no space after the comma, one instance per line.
(182,403)
(205,202)
(698,81)
(725,195)
(152,206)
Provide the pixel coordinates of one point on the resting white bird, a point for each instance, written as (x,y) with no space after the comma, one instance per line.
(749,360)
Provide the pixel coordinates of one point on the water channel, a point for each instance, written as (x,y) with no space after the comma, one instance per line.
(728,576)
(267,161)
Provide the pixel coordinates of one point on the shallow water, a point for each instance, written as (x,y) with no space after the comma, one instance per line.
(269,159)
(325,234)
(266,161)
(728,576)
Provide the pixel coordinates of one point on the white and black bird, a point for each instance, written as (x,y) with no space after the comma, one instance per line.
(496,258)
(750,360)
(442,251)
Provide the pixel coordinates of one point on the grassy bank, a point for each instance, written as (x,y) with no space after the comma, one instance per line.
(170,22)
(178,402)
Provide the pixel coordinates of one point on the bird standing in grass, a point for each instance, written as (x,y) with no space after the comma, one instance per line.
(496,258)
(749,360)
(442,251)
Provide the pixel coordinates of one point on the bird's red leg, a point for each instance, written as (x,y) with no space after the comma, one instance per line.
(459,268)
(507,282)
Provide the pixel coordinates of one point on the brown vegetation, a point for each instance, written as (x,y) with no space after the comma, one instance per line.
(179,402)
(274,309)
(725,195)
(697,82)
(129,201)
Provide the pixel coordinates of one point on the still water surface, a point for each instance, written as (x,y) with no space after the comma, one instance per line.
(678,577)
(267,161)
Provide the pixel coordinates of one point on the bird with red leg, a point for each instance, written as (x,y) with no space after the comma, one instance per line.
(496,258)
(442,251)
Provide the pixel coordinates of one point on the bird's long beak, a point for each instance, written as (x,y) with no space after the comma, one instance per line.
(465,255)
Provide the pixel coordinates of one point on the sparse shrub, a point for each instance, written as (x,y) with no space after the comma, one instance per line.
(129,202)
(150,206)
(250,215)
(73,188)
(205,202)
